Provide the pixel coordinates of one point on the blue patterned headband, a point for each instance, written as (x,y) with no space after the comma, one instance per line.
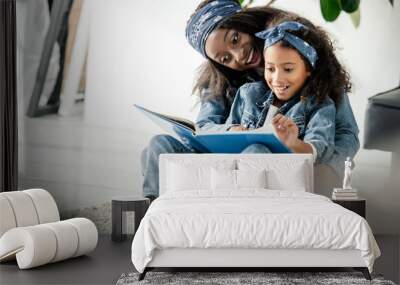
(204,21)
(281,32)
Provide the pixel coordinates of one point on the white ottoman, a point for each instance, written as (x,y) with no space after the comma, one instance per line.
(31,232)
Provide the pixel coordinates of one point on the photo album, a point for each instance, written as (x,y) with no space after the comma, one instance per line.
(215,141)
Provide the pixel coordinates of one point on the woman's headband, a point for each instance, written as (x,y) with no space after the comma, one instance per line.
(204,21)
(282,32)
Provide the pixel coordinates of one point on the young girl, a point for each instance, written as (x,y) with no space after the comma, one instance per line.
(299,65)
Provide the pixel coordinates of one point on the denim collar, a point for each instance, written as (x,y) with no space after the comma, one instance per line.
(285,107)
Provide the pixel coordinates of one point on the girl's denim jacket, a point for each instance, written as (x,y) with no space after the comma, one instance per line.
(333,132)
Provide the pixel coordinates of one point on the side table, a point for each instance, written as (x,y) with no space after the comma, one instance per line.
(358,206)
(122,204)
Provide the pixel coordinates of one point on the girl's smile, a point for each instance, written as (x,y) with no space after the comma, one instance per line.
(281,89)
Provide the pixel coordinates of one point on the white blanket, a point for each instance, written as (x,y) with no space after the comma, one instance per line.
(250,219)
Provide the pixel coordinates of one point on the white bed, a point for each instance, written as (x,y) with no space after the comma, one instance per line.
(247,211)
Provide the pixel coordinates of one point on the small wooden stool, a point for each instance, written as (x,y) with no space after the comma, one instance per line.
(123,204)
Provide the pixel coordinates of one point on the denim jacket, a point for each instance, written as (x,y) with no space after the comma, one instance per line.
(316,122)
(214,114)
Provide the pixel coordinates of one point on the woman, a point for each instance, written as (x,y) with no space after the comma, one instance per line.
(224,34)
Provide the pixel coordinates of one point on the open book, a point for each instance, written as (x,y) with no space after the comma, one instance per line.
(215,141)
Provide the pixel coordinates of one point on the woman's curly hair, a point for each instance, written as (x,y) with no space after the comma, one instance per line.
(329,77)
(223,81)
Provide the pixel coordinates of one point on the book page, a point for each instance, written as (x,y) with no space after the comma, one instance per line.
(266,129)
(182,121)
(272,111)
(176,120)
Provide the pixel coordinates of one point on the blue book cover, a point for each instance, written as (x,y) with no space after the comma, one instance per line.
(214,142)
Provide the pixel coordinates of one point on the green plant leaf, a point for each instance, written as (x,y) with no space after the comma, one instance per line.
(349,6)
(330,9)
(355,18)
(245,3)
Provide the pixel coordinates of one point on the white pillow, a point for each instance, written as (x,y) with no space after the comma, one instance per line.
(251,179)
(292,179)
(181,177)
(222,179)
(185,176)
(282,174)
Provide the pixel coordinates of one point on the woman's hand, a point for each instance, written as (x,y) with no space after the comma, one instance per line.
(237,128)
(286,130)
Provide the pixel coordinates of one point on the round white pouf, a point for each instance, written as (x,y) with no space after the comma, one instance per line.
(26,208)
(45,206)
(7,216)
(52,242)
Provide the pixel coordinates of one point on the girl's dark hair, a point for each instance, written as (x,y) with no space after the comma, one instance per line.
(223,81)
(329,77)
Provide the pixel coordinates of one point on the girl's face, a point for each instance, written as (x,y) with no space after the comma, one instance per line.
(285,71)
(233,49)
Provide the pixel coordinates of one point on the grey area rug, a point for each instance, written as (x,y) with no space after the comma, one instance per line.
(273,278)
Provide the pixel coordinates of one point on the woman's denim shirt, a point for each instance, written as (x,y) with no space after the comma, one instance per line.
(214,116)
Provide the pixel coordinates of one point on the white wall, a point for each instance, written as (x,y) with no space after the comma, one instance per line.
(138,54)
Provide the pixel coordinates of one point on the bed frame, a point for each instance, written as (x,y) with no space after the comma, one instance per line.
(242,259)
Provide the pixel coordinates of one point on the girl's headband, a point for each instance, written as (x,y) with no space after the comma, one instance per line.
(282,32)
(204,21)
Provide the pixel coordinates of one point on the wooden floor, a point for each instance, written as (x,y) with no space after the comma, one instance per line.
(111,259)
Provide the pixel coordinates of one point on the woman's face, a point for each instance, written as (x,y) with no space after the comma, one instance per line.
(233,49)
(285,71)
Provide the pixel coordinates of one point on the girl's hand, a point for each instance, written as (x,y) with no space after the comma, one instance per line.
(286,130)
(237,128)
